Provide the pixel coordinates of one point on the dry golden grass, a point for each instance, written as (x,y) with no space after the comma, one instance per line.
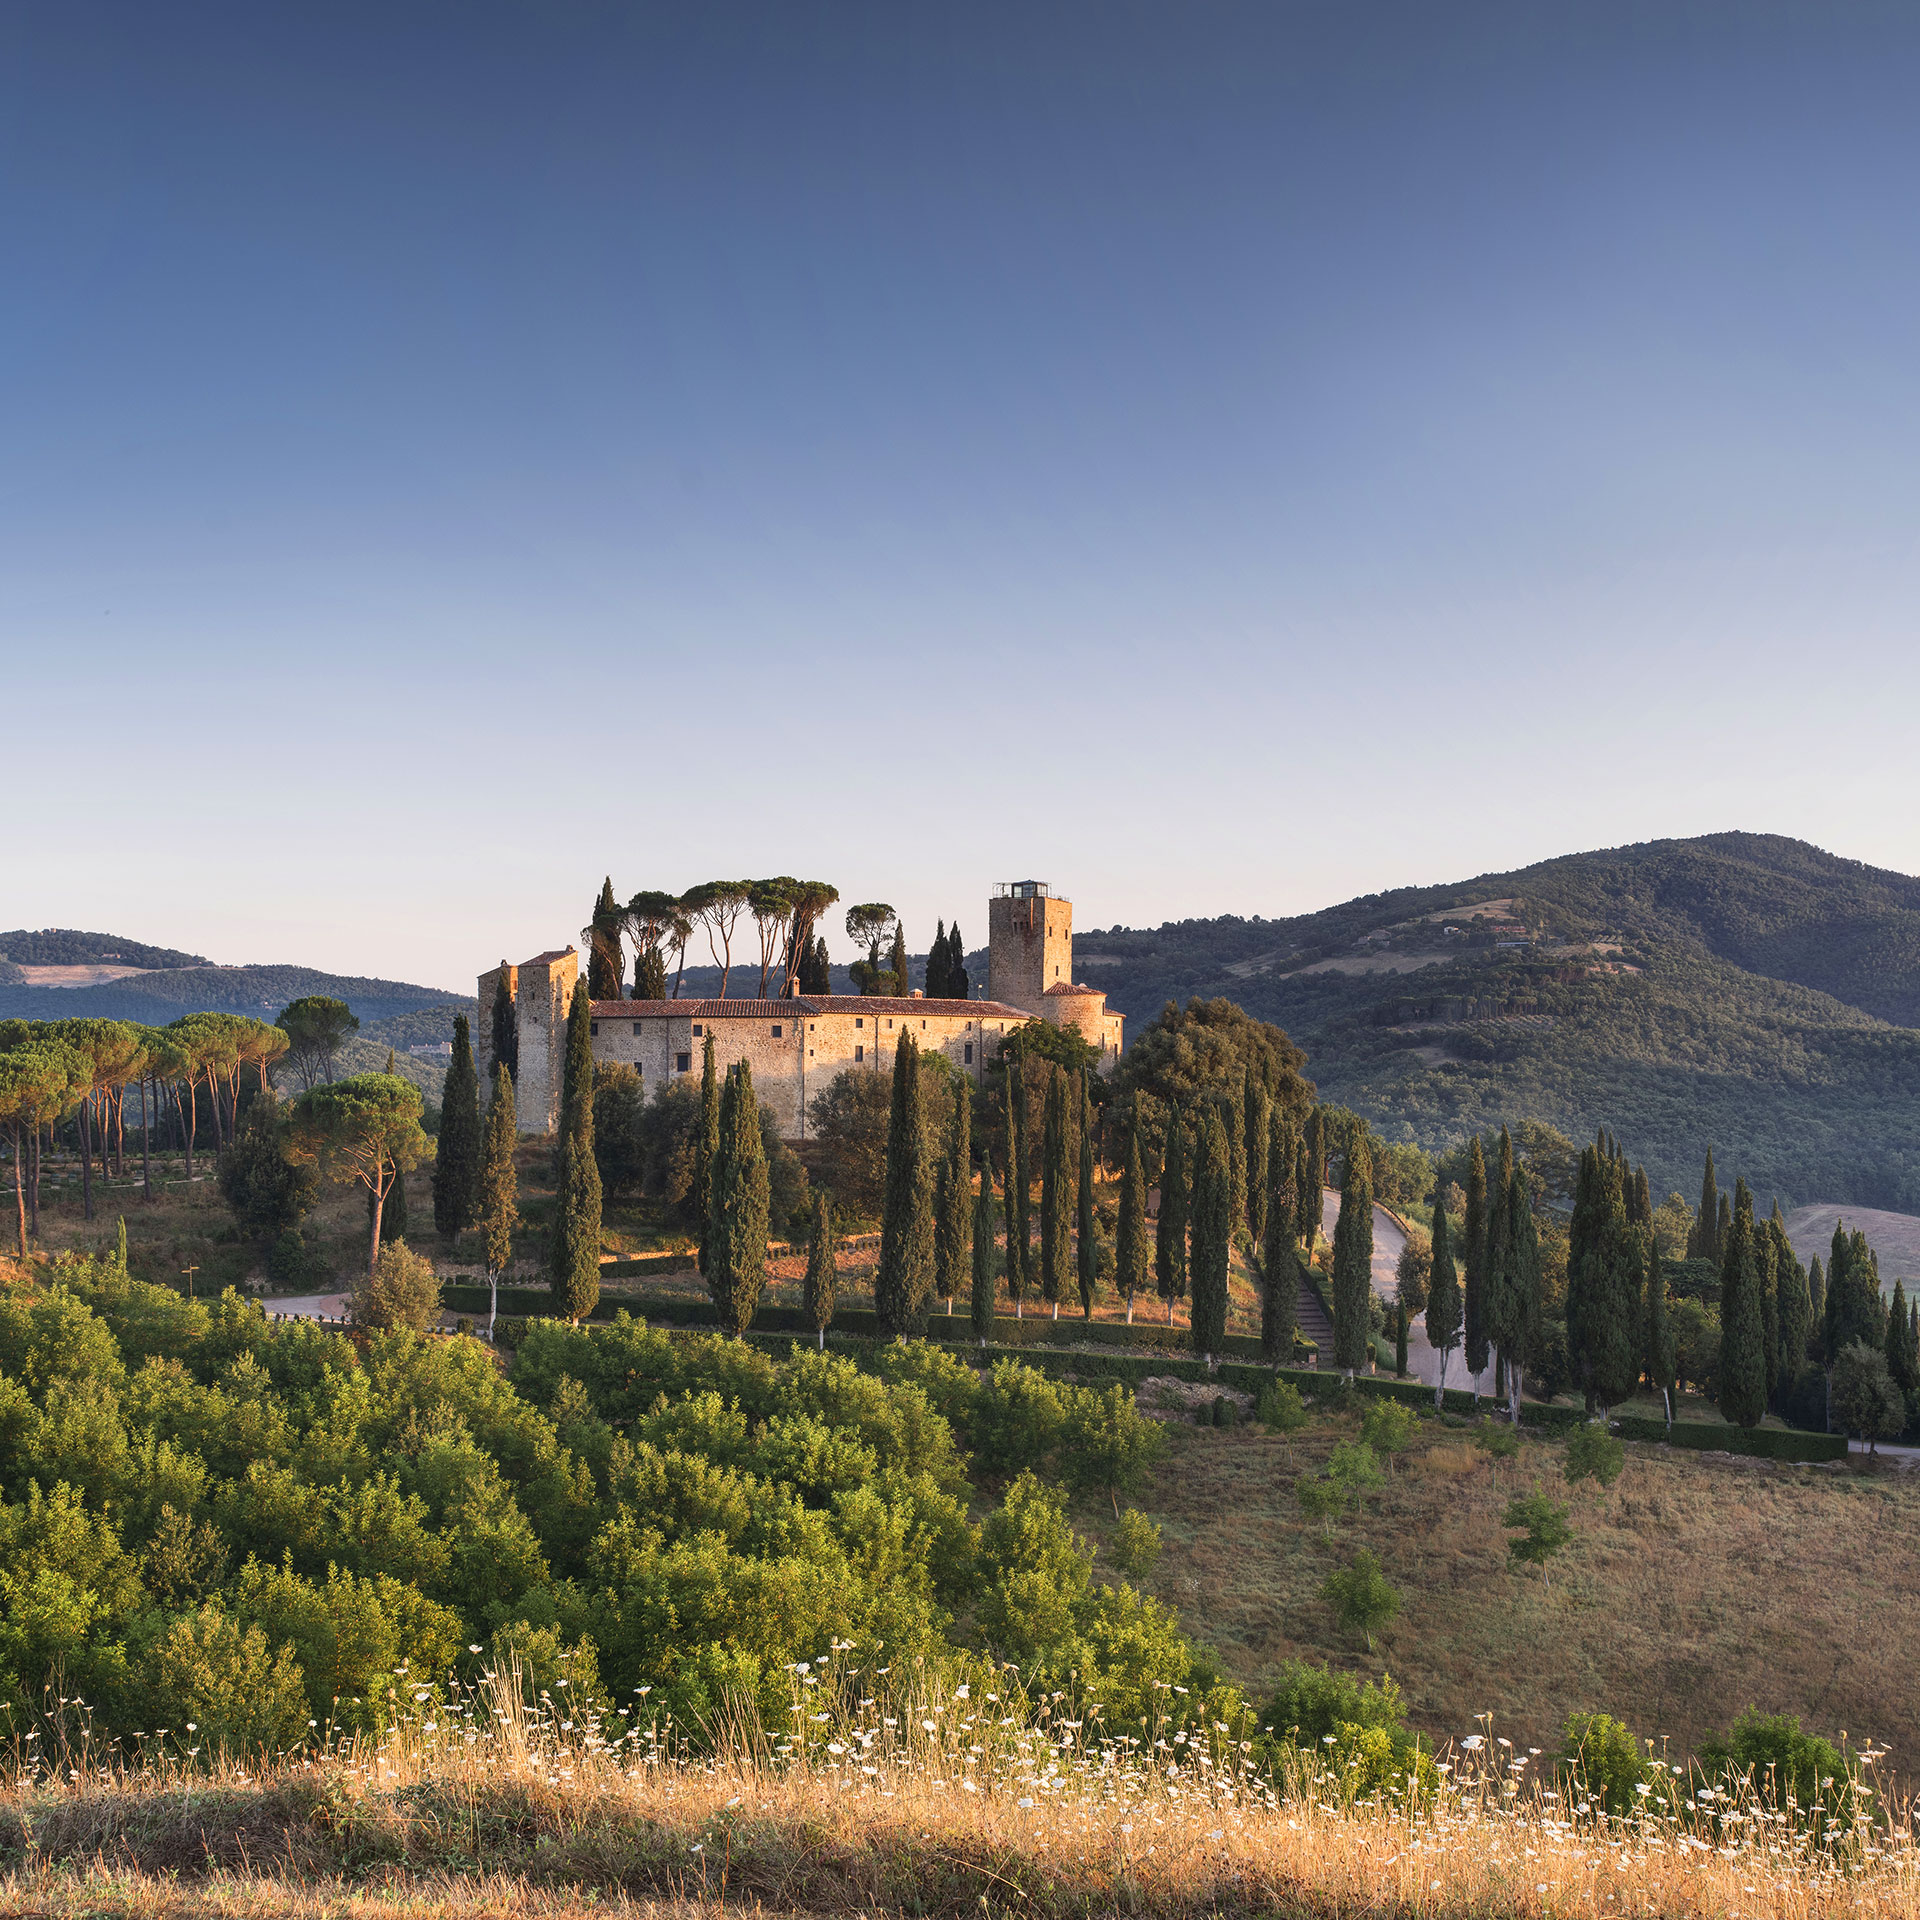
(929,1801)
(1697,1585)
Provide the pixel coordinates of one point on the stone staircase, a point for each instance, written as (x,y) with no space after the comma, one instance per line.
(1312,1320)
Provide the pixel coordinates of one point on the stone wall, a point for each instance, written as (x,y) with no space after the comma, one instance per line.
(1029,948)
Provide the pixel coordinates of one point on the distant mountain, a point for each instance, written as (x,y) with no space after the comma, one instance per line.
(184,983)
(1743,989)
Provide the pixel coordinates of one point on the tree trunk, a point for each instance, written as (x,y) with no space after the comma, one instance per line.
(33,1184)
(146,1141)
(86,1157)
(1440,1389)
(1513,1392)
(493,1302)
(190,1121)
(379,1203)
(20,1187)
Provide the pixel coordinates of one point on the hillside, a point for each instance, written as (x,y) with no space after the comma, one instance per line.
(1739,988)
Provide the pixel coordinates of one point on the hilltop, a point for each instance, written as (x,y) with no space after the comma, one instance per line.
(1740,988)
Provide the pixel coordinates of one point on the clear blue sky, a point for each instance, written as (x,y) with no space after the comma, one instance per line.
(1217,458)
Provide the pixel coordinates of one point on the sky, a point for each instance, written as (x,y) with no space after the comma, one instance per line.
(1215,458)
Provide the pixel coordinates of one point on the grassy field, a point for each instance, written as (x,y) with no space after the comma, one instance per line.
(921,1801)
(1697,1585)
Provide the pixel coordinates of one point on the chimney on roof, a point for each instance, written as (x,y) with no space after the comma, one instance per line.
(919,993)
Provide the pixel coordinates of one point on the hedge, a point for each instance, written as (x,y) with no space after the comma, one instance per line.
(689,1310)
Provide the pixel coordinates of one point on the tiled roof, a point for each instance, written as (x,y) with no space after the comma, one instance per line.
(905,1003)
(1069,986)
(547,959)
(811,1003)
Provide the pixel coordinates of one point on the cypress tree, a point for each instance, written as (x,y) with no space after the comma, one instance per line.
(1212,1235)
(1279,1261)
(1854,1308)
(1258,1107)
(1400,1341)
(573,1251)
(1170,1231)
(1743,1360)
(456,1162)
(958,985)
(706,1145)
(1900,1361)
(903,1282)
(1499,1294)
(1604,1283)
(1015,1216)
(1085,1246)
(1796,1306)
(897,960)
(1022,1179)
(1659,1352)
(1443,1299)
(1303,1193)
(1474,1264)
(650,974)
(498,1213)
(953,1223)
(1311,1200)
(1766,1266)
(1353,1258)
(982,1301)
(603,950)
(936,983)
(823,1274)
(737,1230)
(1055,1192)
(1817,1302)
(506,1028)
(1130,1246)
(1640,1212)
(1283,1153)
(1523,1286)
(1233,1121)
(1726,1220)
(1703,1238)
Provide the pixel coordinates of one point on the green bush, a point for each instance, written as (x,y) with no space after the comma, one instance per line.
(1594,1454)
(1601,1759)
(1781,1762)
(1281,1410)
(1357,1729)
(1135,1545)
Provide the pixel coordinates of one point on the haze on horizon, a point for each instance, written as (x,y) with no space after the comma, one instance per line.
(1218,459)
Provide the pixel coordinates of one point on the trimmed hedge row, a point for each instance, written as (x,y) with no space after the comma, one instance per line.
(1036,1330)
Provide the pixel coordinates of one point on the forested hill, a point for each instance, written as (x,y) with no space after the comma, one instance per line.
(166,993)
(1740,988)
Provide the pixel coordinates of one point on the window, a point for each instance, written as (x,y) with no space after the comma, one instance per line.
(683,1062)
(969,1053)
(696,1029)
(809,1053)
(859,1019)
(889,1026)
(776,1029)
(859,1053)
(593,1029)
(923,1026)
(636,1029)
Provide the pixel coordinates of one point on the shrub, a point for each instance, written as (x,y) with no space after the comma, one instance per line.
(1226,1411)
(1106,1444)
(1017,1420)
(1135,1545)
(1542,1530)
(1602,1759)
(1362,1598)
(402,1291)
(1594,1454)
(1389,1427)
(287,1258)
(1281,1410)
(1358,1729)
(218,1686)
(1771,1751)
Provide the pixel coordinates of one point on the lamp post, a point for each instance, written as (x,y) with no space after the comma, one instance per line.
(189,1272)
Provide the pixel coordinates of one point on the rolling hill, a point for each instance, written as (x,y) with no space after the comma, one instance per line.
(1742,989)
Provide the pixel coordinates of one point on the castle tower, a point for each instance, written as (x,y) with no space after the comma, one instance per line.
(1029,944)
(542,992)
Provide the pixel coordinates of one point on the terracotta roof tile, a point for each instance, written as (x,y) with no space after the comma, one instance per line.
(809,1003)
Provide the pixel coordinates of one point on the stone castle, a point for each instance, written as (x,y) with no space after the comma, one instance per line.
(796,1046)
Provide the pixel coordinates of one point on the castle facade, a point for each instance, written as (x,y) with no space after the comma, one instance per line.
(797,1046)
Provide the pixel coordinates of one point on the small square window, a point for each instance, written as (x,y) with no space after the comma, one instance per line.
(636,1029)
(683,1062)
(809,1053)
(859,1053)
(593,1029)
(859,1019)
(776,1029)
(697,1029)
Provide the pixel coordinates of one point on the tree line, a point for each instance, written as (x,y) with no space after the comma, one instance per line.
(780,917)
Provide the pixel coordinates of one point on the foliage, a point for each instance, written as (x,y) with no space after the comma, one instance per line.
(1280,1408)
(1600,1760)
(1353,1259)
(1212,1234)
(848,1121)
(903,1280)
(1359,1726)
(315,1025)
(497,1213)
(619,1131)
(1135,1544)
(1594,1454)
(456,1158)
(1541,1529)
(268,1192)
(736,1239)
(364,1129)
(402,1291)
(822,1279)
(573,1244)
(1390,1427)
(1771,1751)
(1865,1399)
(1361,1596)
